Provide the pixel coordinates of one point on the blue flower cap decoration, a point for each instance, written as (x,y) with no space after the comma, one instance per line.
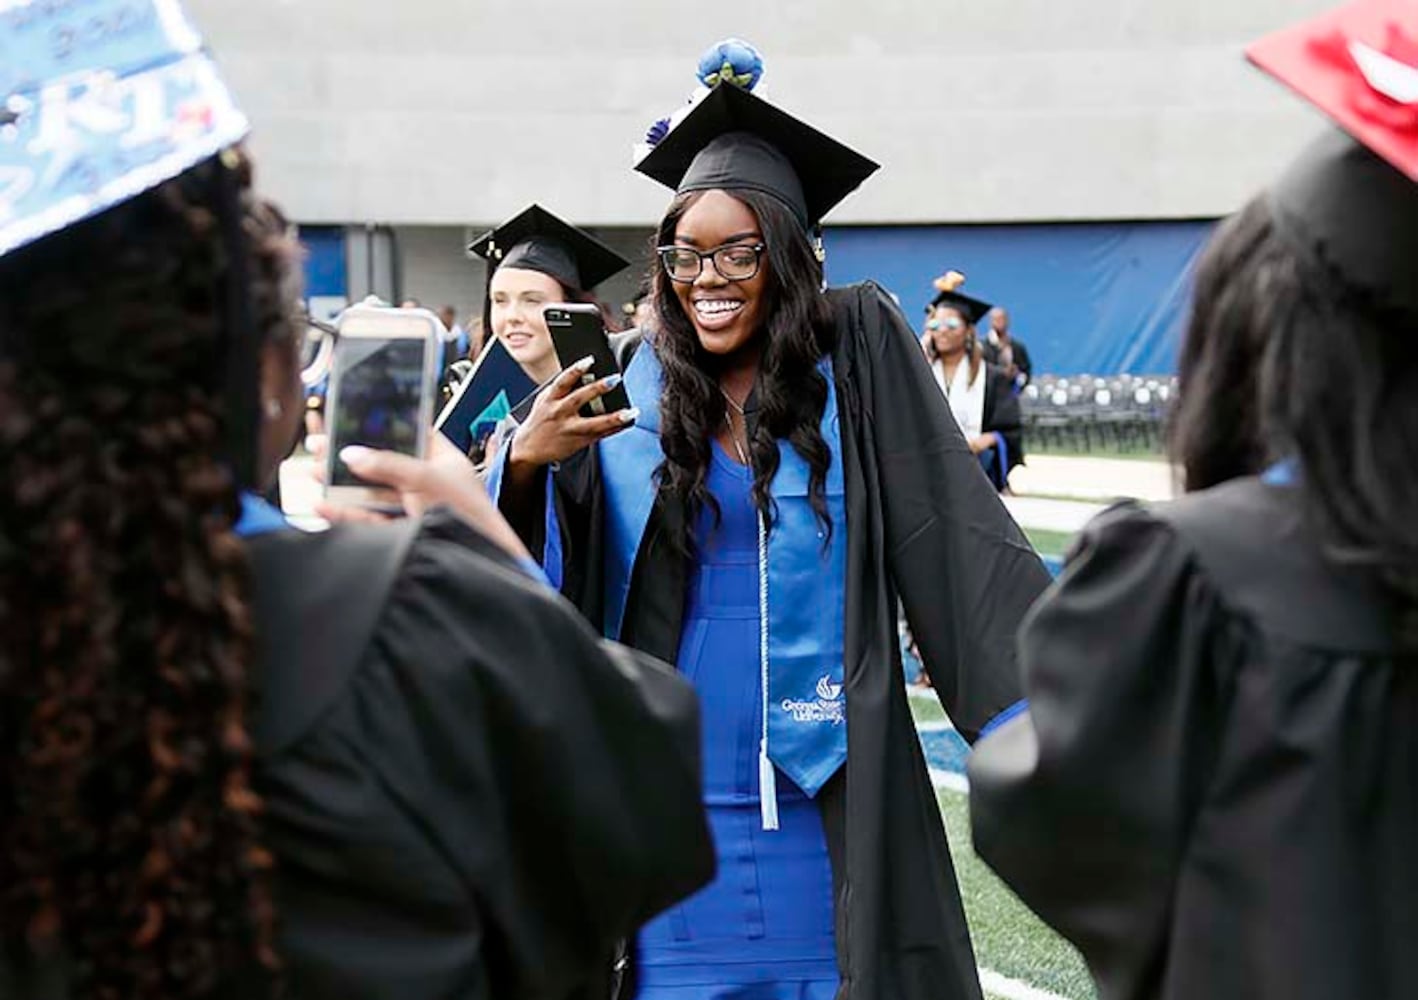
(100,101)
(731,61)
(657,132)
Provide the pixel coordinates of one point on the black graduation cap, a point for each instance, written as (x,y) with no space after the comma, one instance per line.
(733,139)
(536,240)
(948,293)
(1343,204)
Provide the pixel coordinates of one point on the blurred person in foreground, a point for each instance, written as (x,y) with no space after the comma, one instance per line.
(1007,352)
(1214,792)
(237,760)
(785,470)
(981,397)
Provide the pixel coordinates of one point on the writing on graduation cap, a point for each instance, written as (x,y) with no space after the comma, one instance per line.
(68,26)
(103,98)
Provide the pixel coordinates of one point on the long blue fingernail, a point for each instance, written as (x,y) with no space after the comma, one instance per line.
(611,381)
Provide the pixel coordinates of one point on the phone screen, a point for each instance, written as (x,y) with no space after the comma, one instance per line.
(378,398)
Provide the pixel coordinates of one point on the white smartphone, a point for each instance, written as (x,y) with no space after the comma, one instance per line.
(383,384)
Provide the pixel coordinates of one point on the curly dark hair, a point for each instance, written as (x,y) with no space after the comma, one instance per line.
(129,838)
(1287,359)
(791,391)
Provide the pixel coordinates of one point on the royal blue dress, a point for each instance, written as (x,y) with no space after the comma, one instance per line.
(763,929)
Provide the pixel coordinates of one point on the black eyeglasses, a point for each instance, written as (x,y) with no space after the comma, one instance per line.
(737,262)
(317,347)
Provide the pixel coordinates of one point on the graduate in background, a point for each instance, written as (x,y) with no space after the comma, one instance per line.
(238,760)
(981,396)
(787,469)
(534,259)
(1214,792)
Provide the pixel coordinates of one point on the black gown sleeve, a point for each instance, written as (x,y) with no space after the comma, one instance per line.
(1023,362)
(965,573)
(1003,415)
(1082,804)
(548,784)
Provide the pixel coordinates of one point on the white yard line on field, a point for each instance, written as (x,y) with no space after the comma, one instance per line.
(951,780)
(1012,989)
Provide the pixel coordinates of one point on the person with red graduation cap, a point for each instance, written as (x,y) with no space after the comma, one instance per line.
(239,760)
(787,470)
(1214,792)
(981,395)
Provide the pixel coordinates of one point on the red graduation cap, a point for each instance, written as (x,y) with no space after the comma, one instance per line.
(1359,65)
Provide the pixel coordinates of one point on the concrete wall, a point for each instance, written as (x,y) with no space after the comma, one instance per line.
(435,270)
(462,111)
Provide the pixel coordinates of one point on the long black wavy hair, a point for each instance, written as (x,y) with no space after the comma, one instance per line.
(791,391)
(1292,361)
(129,837)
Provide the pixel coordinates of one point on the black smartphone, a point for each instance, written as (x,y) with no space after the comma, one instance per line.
(577,331)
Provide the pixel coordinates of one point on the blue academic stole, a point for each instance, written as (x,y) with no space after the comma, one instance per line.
(258,517)
(802,592)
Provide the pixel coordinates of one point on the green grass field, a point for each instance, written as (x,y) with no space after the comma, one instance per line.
(1049,543)
(1009,940)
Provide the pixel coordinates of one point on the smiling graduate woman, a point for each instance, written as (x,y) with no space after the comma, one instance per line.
(788,468)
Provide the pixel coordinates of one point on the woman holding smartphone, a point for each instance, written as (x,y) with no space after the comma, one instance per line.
(792,468)
(238,760)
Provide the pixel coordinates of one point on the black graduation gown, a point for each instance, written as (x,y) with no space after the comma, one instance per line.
(467,792)
(1022,361)
(1215,791)
(1001,414)
(925,524)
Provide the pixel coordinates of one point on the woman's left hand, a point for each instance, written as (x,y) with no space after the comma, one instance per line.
(983,442)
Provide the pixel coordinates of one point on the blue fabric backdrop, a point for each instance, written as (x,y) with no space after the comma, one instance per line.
(325,270)
(1096,298)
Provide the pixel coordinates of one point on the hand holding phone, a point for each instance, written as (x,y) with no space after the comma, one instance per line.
(555,429)
(382,389)
(577,332)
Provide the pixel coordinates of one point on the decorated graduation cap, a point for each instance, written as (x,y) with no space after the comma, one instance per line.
(103,101)
(536,240)
(731,138)
(1351,199)
(100,102)
(947,288)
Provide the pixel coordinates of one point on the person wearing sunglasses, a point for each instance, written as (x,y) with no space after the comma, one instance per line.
(787,468)
(981,395)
